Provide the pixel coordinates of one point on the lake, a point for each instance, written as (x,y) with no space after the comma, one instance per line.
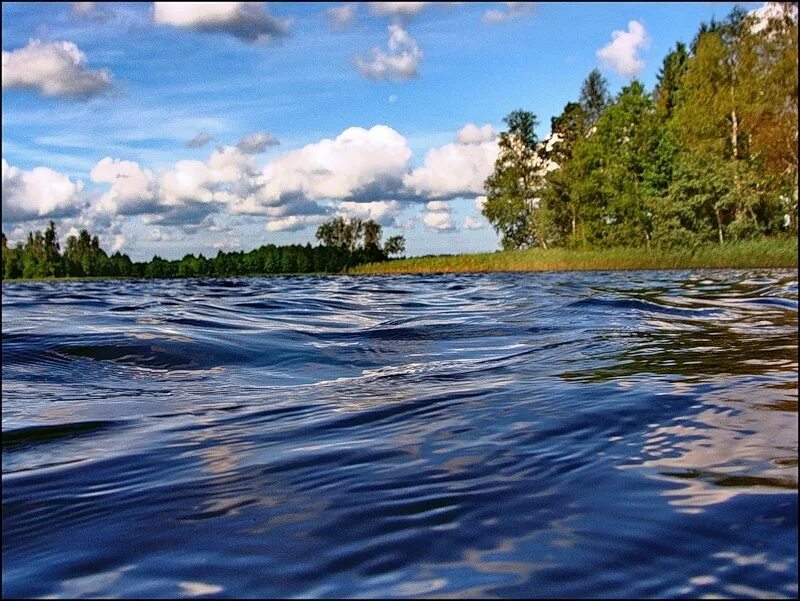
(508,435)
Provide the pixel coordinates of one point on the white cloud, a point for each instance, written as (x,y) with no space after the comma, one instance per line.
(399,64)
(40,192)
(470,223)
(513,10)
(384,212)
(226,177)
(479,202)
(227,244)
(398,10)
(342,17)
(118,243)
(392,98)
(248,21)
(294,223)
(458,169)
(133,189)
(358,165)
(438,216)
(257,142)
(771,10)
(440,221)
(365,173)
(91,11)
(437,205)
(621,54)
(159,235)
(55,69)
(187,193)
(199,140)
(472,134)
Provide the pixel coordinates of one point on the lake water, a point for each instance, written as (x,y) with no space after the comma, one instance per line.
(509,435)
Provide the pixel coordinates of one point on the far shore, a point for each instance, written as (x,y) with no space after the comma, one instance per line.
(765,253)
(773,253)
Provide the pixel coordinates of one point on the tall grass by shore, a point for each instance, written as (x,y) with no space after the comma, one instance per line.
(770,252)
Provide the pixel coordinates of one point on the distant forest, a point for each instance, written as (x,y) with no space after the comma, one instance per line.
(709,156)
(344,244)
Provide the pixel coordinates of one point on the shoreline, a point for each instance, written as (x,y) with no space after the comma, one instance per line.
(759,254)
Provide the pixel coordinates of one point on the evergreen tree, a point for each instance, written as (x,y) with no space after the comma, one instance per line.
(594,97)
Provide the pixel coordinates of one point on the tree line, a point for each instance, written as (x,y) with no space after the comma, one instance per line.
(708,156)
(344,244)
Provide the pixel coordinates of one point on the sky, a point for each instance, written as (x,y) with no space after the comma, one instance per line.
(175,128)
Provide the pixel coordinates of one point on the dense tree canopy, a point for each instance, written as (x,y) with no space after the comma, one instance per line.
(39,256)
(709,156)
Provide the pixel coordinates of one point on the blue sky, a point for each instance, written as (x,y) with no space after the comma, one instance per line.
(360,115)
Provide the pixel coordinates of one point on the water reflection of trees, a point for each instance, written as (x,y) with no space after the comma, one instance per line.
(736,432)
(693,351)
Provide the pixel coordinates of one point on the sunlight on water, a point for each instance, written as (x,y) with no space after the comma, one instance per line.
(513,435)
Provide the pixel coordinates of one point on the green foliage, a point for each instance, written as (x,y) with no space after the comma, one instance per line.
(594,96)
(709,157)
(667,92)
(83,257)
(512,205)
(777,252)
(394,245)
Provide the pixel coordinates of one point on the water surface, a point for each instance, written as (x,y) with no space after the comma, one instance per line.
(505,435)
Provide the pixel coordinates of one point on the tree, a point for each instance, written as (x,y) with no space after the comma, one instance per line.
(594,96)
(372,233)
(394,245)
(512,205)
(568,129)
(669,79)
(739,104)
(340,232)
(353,235)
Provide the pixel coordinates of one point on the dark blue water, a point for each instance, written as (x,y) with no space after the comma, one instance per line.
(505,435)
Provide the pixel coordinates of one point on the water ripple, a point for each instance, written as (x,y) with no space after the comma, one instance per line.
(506,435)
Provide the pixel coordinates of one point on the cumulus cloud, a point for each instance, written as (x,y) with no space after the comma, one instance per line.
(225,178)
(56,69)
(479,202)
(294,223)
(133,190)
(771,10)
(199,140)
(385,212)
(512,11)
(257,142)
(185,194)
(358,165)
(472,134)
(118,242)
(227,244)
(365,173)
(399,64)
(471,223)
(458,169)
(438,216)
(621,55)
(342,17)
(38,193)
(91,11)
(158,234)
(248,21)
(398,10)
